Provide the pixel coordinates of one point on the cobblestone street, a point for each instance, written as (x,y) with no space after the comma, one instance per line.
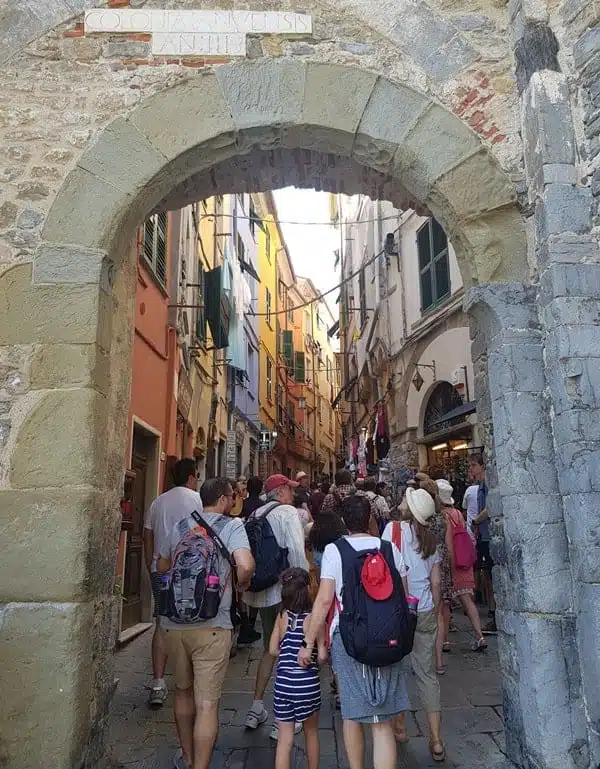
(471,699)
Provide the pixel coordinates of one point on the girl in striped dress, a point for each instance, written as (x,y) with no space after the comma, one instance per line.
(297,694)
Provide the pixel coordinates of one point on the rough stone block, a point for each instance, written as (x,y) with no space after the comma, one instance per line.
(563,208)
(40,460)
(450,59)
(70,365)
(63,523)
(568,248)
(523,442)
(45,648)
(575,341)
(490,247)
(202,114)
(572,311)
(121,49)
(264,92)
(547,122)
(587,46)
(47,313)
(336,99)
(391,112)
(589,630)
(66,264)
(123,157)
(574,383)
(578,465)
(570,280)
(516,368)
(483,186)
(501,308)
(436,143)
(82,193)
(581,517)
(536,51)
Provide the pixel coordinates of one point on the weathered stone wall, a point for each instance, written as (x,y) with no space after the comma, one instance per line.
(97,132)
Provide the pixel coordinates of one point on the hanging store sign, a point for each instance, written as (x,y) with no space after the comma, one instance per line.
(185,393)
(231,454)
(197,33)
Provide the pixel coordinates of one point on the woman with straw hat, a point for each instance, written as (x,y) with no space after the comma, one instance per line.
(418,544)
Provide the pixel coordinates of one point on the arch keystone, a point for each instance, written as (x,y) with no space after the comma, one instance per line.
(335,99)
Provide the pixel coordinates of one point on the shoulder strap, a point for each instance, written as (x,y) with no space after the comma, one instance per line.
(344,546)
(397,534)
(264,515)
(215,538)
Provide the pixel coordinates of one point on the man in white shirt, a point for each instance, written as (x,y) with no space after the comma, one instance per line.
(162,515)
(471,505)
(288,532)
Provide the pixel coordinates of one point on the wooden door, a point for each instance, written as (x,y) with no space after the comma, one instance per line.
(134,557)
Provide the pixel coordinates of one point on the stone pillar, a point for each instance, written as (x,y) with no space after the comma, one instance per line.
(65,327)
(568,261)
(532,580)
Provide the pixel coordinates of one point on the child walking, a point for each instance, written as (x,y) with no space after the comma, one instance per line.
(297,694)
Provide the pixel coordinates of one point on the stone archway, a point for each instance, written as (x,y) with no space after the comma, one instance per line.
(73,337)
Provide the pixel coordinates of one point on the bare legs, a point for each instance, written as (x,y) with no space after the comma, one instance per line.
(384,745)
(197,727)
(443,622)
(285,741)
(263,676)
(471,611)
(354,742)
(311,740)
(159,653)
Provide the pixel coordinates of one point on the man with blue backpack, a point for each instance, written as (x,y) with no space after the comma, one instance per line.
(276,538)
(205,560)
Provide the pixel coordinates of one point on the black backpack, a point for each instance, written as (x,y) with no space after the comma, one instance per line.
(376,633)
(271,560)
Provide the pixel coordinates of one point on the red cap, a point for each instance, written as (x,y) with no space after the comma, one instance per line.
(376,577)
(276,481)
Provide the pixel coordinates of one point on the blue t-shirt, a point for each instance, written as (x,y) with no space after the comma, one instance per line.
(484,526)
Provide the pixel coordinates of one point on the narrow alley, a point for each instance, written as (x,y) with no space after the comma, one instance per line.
(139,738)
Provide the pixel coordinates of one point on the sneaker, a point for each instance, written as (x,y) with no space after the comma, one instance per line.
(248,636)
(178,762)
(254,719)
(480,645)
(158,695)
(274,735)
(490,628)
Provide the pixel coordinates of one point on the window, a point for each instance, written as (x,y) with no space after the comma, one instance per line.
(328,368)
(287,346)
(308,323)
(318,320)
(155,246)
(434,270)
(320,410)
(299,367)
(290,308)
(362,290)
(269,380)
(241,249)
(268,309)
(253,219)
(200,316)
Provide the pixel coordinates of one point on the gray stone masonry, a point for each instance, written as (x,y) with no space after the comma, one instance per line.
(569,309)
(471,719)
(529,545)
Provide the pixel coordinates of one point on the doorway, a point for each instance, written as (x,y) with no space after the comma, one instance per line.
(144,455)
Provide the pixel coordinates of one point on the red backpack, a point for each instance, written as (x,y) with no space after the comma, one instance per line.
(465,555)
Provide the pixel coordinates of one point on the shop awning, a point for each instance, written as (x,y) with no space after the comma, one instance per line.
(334,329)
(344,391)
(459,411)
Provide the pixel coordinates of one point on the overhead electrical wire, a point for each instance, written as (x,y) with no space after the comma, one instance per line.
(258,219)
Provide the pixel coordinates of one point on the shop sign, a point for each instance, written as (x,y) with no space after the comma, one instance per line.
(231,454)
(184,394)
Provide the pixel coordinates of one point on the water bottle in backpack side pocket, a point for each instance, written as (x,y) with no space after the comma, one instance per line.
(413,610)
(212,597)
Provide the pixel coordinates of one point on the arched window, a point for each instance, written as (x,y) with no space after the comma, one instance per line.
(443,399)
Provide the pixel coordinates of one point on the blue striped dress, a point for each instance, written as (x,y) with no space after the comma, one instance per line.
(297,693)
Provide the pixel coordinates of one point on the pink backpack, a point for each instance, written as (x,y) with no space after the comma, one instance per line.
(465,555)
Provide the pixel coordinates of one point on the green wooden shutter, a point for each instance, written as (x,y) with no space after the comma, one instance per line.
(299,368)
(288,350)
(218,310)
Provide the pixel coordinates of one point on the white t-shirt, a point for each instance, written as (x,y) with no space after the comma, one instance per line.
(471,505)
(166,511)
(331,565)
(419,569)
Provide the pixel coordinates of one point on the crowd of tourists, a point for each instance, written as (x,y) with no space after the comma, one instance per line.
(341,581)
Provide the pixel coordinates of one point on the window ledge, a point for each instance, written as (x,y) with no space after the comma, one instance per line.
(433,313)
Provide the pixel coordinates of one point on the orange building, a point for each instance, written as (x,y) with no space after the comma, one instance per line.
(156,438)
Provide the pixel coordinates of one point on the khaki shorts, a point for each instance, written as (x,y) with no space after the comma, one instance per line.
(268,618)
(199,657)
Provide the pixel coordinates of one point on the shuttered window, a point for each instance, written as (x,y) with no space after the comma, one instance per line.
(155,246)
(434,268)
(288,351)
(299,367)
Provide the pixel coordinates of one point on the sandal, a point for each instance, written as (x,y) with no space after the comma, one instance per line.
(480,646)
(401,737)
(440,671)
(446,647)
(440,753)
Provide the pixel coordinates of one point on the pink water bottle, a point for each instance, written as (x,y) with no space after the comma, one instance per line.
(413,605)
(212,597)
